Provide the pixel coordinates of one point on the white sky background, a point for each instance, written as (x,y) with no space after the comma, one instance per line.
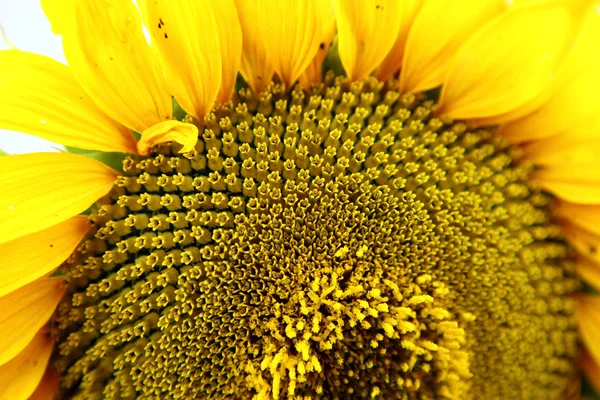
(28,29)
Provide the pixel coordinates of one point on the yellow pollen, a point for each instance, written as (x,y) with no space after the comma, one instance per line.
(333,243)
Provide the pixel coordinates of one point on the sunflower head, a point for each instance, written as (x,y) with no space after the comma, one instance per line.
(420,224)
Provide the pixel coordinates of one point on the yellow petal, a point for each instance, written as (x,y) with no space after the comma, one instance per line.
(24,312)
(577,184)
(572,95)
(186,34)
(367,31)
(169,131)
(230,39)
(510,60)
(392,63)
(60,14)
(585,242)
(48,386)
(588,271)
(20,376)
(588,316)
(44,189)
(106,49)
(30,257)
(566,149)
(439,29)
(591,369)
(584,216)
(5,40)
(255,67)
(314,71)
(291,32)
(40,96)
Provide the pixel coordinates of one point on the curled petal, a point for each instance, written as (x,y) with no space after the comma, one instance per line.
(168,131)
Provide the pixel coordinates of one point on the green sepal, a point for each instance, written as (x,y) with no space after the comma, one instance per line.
(178,112)
(58,272)
(589,392)
(434,94)
(589,289)
(240,83)
(75,150)
(332,60)
(112,159)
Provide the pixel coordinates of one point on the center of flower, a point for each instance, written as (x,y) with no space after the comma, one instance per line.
(336,244)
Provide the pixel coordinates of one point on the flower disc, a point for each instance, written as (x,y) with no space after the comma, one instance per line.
(336,244)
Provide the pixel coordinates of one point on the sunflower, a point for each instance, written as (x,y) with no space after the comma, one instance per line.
(393,200)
